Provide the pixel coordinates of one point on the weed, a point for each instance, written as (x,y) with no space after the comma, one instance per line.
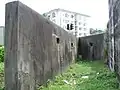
(1,53)
(98,78)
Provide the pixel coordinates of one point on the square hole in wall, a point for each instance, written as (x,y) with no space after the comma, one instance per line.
(72,45)
(58,40)
(90,43)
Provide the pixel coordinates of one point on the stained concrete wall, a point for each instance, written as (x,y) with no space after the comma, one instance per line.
(114,37)
(111,39)
(91,47)
(35,48)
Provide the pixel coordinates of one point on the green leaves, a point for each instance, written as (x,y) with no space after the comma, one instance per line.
(1,76)
(1,68)
(1,53)
(100,78)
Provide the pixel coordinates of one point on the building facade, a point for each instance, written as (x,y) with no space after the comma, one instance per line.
(75,23)
(1,35)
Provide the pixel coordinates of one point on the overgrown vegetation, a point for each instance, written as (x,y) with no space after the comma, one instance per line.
(1,54)
(84,75)
(1,67)
(1,76)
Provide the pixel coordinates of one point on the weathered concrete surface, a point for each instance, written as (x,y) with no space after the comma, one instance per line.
(91,47)
(111,39)
(116,34)
(35,48)
(114,37)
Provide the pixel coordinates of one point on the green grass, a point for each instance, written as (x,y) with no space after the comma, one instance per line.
(99,78)
(1,54)
(1,76)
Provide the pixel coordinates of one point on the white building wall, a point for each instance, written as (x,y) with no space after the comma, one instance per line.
(66,19)
(1,35)
(63,17)
(82,26)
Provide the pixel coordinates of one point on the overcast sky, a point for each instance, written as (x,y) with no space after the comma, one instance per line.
(97,9)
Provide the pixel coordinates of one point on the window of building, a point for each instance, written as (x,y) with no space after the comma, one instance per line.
(84,24)
(66,15)
(80,34)
(48,16)
(72,44)
(84,34)
(72,16)
(90,43)
(85,29)
(75,32)
(75,22)
(75,26)
(79,23)
(68,27)
(53,14)
(58,40)
(80,28)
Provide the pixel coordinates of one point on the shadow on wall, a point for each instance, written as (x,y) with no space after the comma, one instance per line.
(91,47)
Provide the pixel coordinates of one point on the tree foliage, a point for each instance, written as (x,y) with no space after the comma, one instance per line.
(1,53)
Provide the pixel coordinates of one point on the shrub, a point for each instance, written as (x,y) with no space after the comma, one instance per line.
(1,53)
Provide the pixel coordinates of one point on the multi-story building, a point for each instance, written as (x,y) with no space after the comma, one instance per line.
(72,22)
(1,35)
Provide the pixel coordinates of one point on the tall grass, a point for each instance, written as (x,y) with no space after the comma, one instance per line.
(84,76)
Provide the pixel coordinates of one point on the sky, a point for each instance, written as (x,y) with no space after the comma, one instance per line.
(97,9)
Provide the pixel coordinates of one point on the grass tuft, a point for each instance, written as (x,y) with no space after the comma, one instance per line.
(1,76)
(96,77)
